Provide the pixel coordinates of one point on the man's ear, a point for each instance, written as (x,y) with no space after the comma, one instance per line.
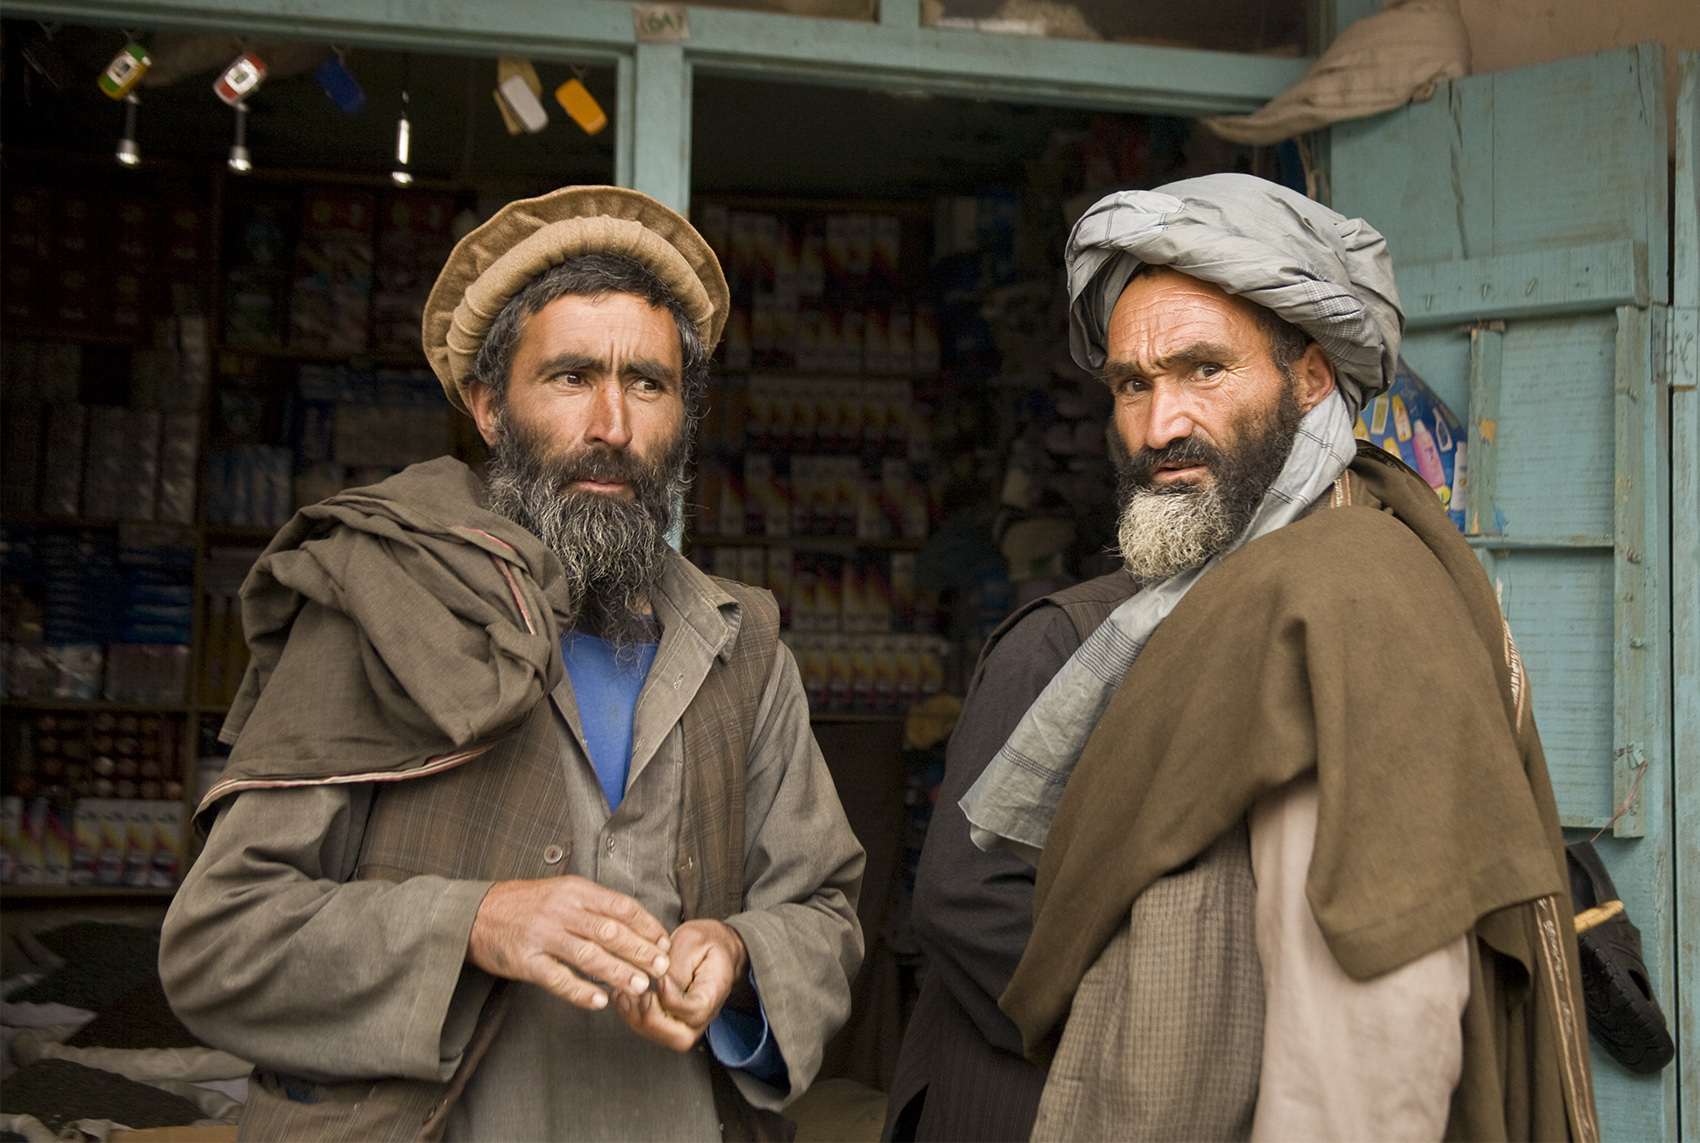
(1313,377)
(482,400)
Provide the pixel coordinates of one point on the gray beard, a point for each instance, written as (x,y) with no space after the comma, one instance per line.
(1165,530)
(1162,534)
(612,550)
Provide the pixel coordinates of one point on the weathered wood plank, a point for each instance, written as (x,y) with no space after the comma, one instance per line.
(1486,357)
(1558,605)
(1573,154)
(1631,638)
(1112,76)
(1555,429)
(1536,283)
(1684,364)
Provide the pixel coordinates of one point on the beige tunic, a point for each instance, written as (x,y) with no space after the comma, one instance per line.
(268,953)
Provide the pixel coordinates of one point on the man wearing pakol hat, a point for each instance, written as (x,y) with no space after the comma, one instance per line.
(524,834)
(1299,868)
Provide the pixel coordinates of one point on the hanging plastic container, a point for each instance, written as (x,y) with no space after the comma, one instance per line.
(1413,424)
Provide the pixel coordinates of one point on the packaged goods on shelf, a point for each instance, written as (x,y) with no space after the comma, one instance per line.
(249,486)
(414,240)
(146,672)
(62,460)
(331,285)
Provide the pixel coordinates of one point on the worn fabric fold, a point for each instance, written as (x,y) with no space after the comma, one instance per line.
(401,636)
(1014,800)
(1362,644)
(1329,275)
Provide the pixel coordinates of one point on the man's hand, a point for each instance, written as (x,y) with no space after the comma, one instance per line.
(709,960)
(559,931)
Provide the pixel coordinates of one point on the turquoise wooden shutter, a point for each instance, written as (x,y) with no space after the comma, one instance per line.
(1528,218)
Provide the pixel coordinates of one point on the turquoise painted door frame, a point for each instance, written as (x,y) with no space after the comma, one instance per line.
(652,147)
(1684,354)
(1530,225)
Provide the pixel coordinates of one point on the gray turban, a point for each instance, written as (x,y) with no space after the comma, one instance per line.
(1327,274)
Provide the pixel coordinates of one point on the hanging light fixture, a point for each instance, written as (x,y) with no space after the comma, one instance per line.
(239,160)
(128,153)
(401,174)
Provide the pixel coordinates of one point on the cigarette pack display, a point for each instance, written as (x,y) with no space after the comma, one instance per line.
(20,457)
(114,840)
(75,669)
(104,476)
(11,825)
(62,460)
(30,844)
(779,576)
(146,672)
(178,446)
(728,564)
(332,281)
(167,820)
(887,249)
(56,843)
(862,672)
(138,494)
(139,842)
(752,566)
(85,846)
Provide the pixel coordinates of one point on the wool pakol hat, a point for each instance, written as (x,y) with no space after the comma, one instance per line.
(530,235)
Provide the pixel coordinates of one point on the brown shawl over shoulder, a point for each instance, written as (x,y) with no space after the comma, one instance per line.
(395,629)
(1364,642)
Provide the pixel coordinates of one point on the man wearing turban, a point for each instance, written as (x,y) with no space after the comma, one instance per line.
(524,833)
(1299,872)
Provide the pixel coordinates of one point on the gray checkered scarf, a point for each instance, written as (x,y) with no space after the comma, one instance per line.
(1325,273)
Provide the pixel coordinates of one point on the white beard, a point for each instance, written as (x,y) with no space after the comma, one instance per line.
(1162,534)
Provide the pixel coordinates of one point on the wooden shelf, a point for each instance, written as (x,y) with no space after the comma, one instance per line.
(95,706)
(233,536)
(83,334)
(377,357)
(83,893)
(805,543)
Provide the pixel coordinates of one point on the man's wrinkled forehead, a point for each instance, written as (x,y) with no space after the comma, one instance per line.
(1164,319)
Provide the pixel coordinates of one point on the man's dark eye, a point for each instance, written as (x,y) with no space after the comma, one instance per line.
(1208,369)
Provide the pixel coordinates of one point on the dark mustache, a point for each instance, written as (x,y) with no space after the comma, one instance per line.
(1186,451)
(604,466)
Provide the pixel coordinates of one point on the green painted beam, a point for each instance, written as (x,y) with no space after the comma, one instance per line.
(892,53)
(661,126)
(1540,283)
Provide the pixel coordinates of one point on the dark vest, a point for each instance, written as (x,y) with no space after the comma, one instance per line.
(440,825)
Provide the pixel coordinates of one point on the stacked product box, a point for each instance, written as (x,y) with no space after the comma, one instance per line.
(87,259)
(331,287)
(414,240)
(93,799)
(820,291)
(356,427)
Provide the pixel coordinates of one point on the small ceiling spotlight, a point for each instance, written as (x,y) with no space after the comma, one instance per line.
(128,152)
(403,145)
(239,159)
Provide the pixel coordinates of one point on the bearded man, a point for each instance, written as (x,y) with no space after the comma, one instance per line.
(1299,871)
(524,833)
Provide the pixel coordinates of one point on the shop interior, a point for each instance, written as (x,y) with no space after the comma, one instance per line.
(198,342)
